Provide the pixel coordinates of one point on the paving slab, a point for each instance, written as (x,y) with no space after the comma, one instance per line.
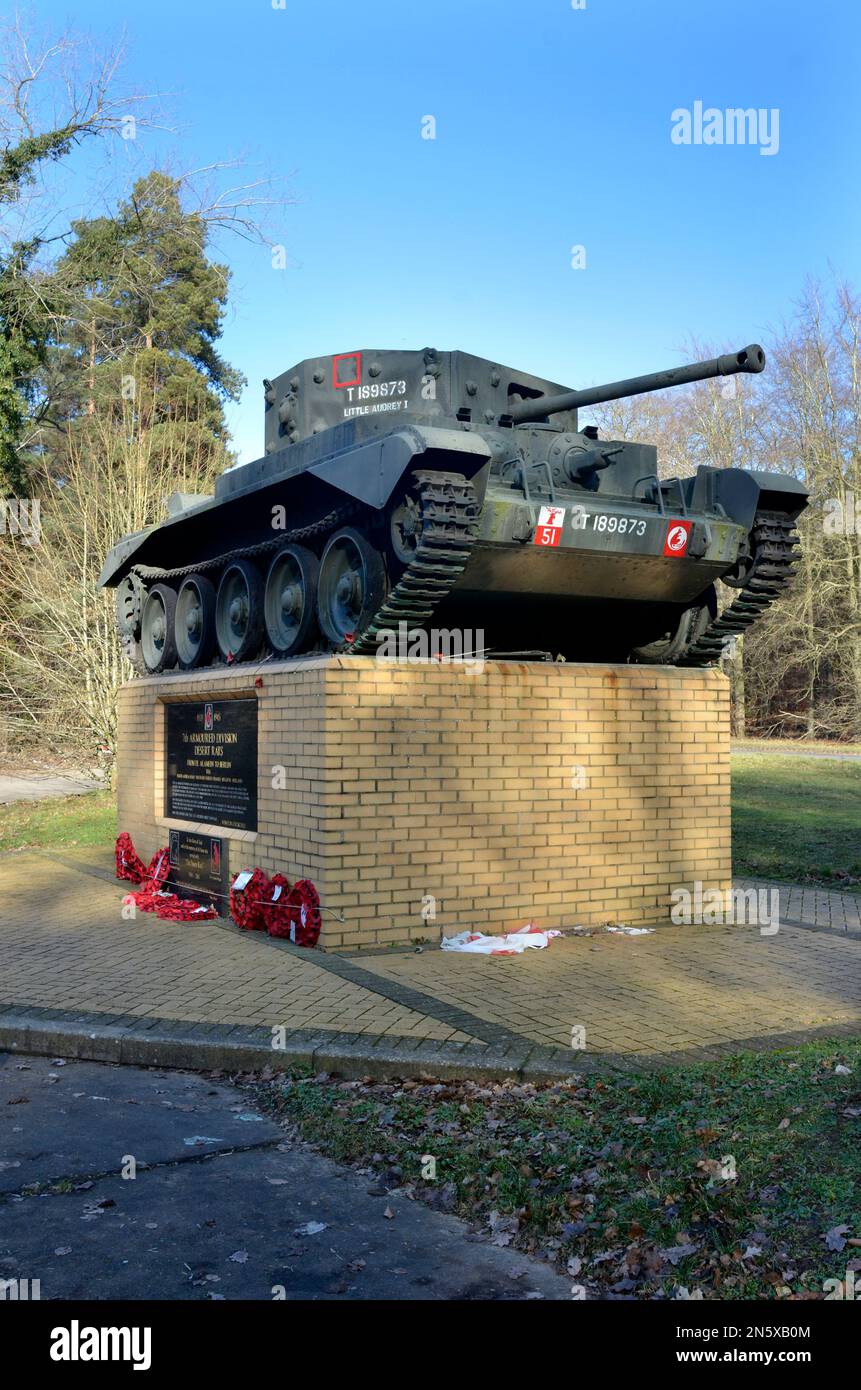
(808,905)
(78,979)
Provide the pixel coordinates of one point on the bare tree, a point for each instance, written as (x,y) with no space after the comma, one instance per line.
(60,661)
(55,93)
(798,670)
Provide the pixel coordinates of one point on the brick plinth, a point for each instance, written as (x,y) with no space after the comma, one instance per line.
(569,794)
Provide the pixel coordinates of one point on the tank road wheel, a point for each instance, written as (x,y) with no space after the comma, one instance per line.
(157,628)
(289,604)
(405,529)
(239,611)
(129,607)
(351,587)
(194,624)
(129,601)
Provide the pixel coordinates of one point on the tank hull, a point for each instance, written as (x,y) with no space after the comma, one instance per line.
(613,577)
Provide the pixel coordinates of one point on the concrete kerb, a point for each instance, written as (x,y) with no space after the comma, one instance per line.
(159,1043)
(186,1046)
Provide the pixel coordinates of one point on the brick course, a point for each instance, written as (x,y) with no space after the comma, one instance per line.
(574,794)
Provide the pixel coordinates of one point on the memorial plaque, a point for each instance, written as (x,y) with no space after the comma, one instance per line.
(212,763)
(198,868)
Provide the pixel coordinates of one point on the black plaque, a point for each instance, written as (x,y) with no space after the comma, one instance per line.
(198,868)
(212,763)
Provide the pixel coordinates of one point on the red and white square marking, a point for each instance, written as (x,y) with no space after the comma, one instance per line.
(678,534)
(550,523)
(347,369)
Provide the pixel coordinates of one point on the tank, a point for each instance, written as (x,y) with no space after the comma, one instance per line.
(445,493)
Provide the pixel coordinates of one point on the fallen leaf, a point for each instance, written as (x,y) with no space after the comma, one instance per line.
(674,1253)
(504,1228)
(835,1238)
(714,1167)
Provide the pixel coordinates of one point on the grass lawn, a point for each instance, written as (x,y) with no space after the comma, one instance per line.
(798,819)
(626,1182)
(60,822)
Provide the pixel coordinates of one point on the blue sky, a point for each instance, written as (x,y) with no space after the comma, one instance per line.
(553,130)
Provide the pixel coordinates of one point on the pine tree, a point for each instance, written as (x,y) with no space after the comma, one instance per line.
(143,309)
(25,310)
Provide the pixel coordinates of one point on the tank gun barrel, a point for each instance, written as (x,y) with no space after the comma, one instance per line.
(748,359)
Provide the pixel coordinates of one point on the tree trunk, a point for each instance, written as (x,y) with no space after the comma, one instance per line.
(91,375)
(736,682)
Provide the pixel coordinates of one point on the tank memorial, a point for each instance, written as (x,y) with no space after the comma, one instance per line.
(444,654)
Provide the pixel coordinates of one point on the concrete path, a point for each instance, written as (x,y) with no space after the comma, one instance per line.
(78,978)
(222,1204)
(781,751)
(36,787)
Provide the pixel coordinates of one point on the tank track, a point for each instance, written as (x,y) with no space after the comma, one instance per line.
(449,519)
(774,543)
(250,552)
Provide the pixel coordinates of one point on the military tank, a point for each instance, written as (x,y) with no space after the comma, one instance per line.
(438,488)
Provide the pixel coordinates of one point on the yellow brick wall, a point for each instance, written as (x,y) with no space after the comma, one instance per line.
(567,794)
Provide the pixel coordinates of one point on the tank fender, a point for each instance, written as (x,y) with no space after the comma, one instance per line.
(742,494)
(371,472)
(780,492)
(118,555)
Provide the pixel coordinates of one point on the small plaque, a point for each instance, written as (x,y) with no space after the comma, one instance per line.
(212,763)
(198,868)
